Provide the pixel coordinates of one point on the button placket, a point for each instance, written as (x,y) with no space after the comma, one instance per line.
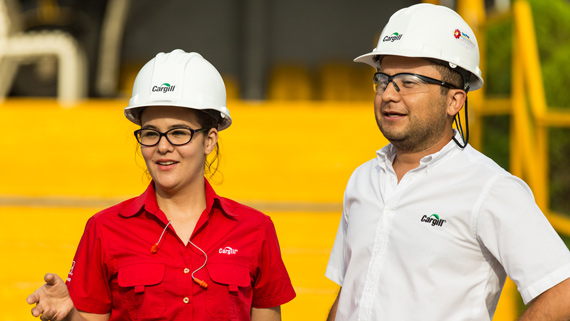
(186,299)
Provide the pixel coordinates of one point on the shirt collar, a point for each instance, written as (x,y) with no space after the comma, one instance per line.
(387,154)
(147,200)
(213,199)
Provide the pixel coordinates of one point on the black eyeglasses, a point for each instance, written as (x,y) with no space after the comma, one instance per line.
(407,83)
(175,136)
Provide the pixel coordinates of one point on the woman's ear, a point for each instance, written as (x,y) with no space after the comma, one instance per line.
(210,141)
(455,101)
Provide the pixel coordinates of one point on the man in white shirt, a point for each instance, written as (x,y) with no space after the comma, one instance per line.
(431,227)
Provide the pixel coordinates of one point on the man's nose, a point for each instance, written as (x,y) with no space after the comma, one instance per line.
(390,92)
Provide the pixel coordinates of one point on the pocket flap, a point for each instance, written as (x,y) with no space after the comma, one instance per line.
(141,274)
(229,274)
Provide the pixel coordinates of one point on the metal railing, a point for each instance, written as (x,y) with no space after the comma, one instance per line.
(530,117)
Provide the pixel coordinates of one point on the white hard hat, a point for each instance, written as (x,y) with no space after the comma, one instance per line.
(179,79)
(429,31)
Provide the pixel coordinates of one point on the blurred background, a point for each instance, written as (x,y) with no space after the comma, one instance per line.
(252,42)
(302,112)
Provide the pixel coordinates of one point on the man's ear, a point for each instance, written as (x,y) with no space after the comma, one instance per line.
(455,101)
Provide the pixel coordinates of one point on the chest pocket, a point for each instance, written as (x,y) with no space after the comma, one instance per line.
(230,295)
(142,288)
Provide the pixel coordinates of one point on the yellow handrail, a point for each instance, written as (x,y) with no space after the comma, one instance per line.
(527,68)
(530,119)
(530,116)
(532,131)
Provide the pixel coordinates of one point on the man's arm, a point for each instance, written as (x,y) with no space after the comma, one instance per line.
(552,305)
(269,314)
(332,313)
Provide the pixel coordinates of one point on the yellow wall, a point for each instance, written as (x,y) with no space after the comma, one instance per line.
(291,160)
(301,152)
(36,240)
(60,166)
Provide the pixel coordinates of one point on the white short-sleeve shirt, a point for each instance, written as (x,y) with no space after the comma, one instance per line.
(439,244)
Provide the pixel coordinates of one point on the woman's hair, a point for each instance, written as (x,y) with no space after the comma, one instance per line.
(210,119)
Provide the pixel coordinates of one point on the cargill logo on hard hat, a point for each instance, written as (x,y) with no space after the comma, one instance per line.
(166,87)
(393,37)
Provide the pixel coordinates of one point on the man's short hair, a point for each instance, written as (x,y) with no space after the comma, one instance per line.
(448,74)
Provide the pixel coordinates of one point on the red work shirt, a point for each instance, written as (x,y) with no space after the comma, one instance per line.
(115,272)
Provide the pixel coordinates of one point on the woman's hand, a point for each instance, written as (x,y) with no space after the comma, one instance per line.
(52,299)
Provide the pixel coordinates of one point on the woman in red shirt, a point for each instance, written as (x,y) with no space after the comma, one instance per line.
(178,251)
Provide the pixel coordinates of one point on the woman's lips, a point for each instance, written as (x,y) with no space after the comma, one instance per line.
(166,164)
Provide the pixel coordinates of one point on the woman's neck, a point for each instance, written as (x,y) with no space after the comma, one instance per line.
(183,208)
(186,202)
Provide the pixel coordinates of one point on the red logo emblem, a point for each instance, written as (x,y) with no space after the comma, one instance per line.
(457,34)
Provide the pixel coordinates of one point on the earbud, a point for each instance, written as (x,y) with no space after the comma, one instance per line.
(154,248)
(201,283)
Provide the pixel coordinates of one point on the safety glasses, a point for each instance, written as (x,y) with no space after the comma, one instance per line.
(407,83)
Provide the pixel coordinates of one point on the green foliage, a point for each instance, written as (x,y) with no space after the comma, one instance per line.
(559,171)
(496,139)
(556,76)
(499,50)
(552,29)
(551,25)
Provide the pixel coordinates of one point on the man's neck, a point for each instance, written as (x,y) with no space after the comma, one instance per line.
(408,160)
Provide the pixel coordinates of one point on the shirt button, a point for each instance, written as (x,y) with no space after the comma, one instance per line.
(186,300)
(186,270)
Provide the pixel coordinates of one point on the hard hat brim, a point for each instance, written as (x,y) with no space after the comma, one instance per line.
(475,81)
(133,113)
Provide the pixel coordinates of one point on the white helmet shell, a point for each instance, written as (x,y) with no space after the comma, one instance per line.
(179,79)
(429,31)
